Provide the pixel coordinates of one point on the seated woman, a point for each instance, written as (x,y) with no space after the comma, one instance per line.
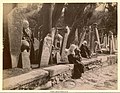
(74,57)
(84,50)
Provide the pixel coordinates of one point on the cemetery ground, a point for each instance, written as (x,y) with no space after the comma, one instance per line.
(43,34)
(102,78)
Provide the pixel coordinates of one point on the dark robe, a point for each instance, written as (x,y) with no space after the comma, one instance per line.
(78,67)
(84,51)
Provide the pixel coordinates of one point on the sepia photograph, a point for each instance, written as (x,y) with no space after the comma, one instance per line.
(60,46)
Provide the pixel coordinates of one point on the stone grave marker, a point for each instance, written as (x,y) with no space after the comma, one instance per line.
(63,54)
(92,40)
(15,27)
(111,43)
(47,47)
(89,36)
(98,38)
(26,60)
(82,37)
(105,41)
(115,40)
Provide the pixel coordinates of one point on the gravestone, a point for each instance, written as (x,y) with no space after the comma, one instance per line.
(89,36)
(63,54)
(36,49)
(108,40)
(92,41)
(26,60)
(15,27)
(58,57)
(47,47)
(115,40)
(58,43)
(82,37)
(105,41)
(97,35)
(111,43)
(76,36)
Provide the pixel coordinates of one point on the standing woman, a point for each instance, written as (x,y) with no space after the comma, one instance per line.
(74,57)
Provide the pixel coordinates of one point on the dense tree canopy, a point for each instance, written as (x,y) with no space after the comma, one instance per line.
(75,15)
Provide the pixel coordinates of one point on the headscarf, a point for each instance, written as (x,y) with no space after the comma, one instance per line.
(72,48)
(25,24)
(84,43)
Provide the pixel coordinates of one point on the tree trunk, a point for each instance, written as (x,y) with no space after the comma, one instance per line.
(47,25)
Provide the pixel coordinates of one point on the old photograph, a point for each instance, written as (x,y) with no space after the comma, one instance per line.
(60,46)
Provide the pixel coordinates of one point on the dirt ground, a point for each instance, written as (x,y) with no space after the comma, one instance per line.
(104,78)
(7,73)
(13,72)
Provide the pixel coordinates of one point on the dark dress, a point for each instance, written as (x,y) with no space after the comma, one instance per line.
(78,67)
(84,51)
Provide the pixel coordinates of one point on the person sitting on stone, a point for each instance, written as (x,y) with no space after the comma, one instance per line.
(84,50)
(75,58)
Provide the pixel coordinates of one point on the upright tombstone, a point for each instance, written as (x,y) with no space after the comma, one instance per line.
(97,35)
(63,54)
(111,43)
(82,37)
(92,40)
(47,47)
(15,28)
(115,40)
(46,35)
(46,51)
(57,46)
(108,40)
(25,60)
(105,41)
(89,36)
(76,36)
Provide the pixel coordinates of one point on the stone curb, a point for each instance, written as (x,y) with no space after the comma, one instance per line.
(20,80)
(54,73)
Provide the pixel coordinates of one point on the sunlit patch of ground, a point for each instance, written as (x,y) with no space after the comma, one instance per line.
(104,78)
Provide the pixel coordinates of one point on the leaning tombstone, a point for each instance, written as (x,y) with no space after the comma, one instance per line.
(15,27)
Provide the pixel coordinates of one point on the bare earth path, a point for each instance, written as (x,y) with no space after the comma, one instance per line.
(104,78)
